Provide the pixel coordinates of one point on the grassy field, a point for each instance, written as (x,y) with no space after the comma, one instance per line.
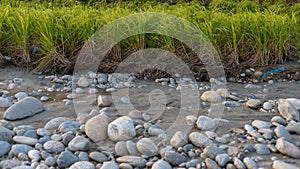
(244,32)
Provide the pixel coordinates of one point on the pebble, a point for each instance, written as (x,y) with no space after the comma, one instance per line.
(131,148)
(262,149)
(199,139)
(205,123)
(98,157)
(277,164)
(253,103)
(66,159)
(21,95)
(267,106)
(27,107)
(25,140)
(133,160)
(280,131)
(20,148)
(155,131)
(9,163)
(279,120)
(120,148)
(121,129)
(110,165)
(190,120)
(147,147)
(179,139)
(223,92)
(295,102)
(56,122)
(287,110)
(45,98)
(104,101)
(238,163)
(66,126)
(212,151)
(4,102)
(261,124)
(11,86)
(252,86)
(211,164)
(83,165)
(211,96)
(293,127)
(6,134)
(83,156)
(125,100)
(79,143)
(83,82)
(43,132)
(174,158)
(249,163)
(93,91)
(222,159)
(96,128)
(5,147)
(161,164)
(231,104)
(50,161)
(54,146)
(287,148)
(34,155)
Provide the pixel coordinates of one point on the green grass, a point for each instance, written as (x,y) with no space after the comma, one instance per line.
(243,32)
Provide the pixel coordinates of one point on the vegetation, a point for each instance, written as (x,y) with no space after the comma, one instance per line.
(244,32)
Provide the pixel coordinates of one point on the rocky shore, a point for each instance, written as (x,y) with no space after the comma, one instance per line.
(259,128)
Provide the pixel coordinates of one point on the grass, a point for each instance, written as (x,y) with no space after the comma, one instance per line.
(244,33)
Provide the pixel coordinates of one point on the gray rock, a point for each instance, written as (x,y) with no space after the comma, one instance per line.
(66,126)
(147,147)
(56,122)
(253,103)
(154,131)
(211,134)
(277,164)
(212,151)
(262,149)
(110,165)
(31,133)
(249,163)
(21,95)
(25,140)
(223,92)
(205,123)
(20,130)
(211,164)
(121,129)
(131,148)
(23,167)
(222,159)
(199,139)
(104,101)
(279,120)
(67,137)
(267,106)
(6,134)
(102,78)
(295,102)
(280,131)
(27,107)
(293,127)
(287,148)
(6,124)
(20,148)
(83,82)
(161,164)
(133,160)
(34,155)
(5,147)
(287,110)
(54,146)
(43,132)
(45,98)
(50,161)
(192,163)
(261,124)
(4,102)
(238,163)
(125,166)
(6,164)
(66,159)
(97,156)
(121,148)
(211,96)
(190,120)
(231,104)
(179,139)
(174,158)
(96,128)
(79,143)
(83,165)
(83,156)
